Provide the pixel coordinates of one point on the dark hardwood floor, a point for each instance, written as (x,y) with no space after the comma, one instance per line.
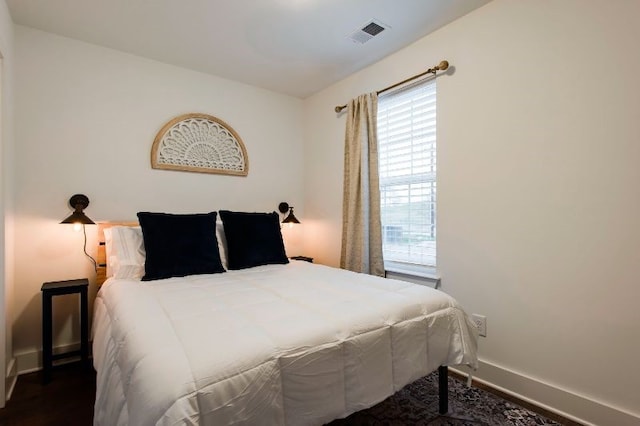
(65,401)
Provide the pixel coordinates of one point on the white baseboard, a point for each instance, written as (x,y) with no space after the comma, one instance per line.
(560,401)
(11,378)
(30,361)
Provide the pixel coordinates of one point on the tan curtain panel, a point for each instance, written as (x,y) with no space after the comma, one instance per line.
(361,227)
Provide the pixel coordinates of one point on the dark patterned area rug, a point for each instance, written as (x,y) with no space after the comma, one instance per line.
(417,404)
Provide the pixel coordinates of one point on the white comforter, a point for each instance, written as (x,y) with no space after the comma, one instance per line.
(296,344)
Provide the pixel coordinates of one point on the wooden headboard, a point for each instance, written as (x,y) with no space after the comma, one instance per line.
(101,271)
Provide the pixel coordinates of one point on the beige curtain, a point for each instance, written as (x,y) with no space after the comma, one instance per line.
(361,228)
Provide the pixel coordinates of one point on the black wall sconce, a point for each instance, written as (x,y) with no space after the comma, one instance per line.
(79,202)
(284,208)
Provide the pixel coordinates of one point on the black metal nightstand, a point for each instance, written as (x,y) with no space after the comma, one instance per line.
(303,258)
(57,288)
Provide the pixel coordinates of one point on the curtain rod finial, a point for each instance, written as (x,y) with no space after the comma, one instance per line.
(443,65)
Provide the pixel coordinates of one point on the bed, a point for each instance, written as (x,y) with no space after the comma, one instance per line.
(272,342)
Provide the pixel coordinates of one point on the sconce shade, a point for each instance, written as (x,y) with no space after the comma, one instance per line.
(79,202)
(291,218)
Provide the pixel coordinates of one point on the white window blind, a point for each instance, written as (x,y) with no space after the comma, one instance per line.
(407,160)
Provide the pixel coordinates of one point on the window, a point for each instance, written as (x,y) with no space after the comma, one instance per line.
(407,161)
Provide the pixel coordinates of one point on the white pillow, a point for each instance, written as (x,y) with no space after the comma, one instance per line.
(127,252)
(109,254)
(222,243)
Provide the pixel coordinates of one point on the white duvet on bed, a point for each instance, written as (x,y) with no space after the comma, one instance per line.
(296,344)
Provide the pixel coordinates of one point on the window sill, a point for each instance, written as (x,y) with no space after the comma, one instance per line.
(422,273)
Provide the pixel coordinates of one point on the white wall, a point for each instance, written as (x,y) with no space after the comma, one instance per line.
(539,200)
(86,118)
(538,177)
(6,203)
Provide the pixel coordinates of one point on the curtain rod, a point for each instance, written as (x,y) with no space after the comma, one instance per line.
(443,65)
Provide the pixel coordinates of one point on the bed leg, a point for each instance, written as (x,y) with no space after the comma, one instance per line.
(443,389)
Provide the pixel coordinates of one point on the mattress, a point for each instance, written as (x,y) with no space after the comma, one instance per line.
(294,344)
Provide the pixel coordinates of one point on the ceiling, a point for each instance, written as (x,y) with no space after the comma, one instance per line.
(295,47)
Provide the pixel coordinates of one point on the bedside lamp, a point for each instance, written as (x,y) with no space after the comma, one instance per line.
(79,202)
(291,218)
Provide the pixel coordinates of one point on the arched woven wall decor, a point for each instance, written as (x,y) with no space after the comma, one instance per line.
(199,143)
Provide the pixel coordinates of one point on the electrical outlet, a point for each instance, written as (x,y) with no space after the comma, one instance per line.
(480,321)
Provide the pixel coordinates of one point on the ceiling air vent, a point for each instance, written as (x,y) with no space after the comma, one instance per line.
(367,32)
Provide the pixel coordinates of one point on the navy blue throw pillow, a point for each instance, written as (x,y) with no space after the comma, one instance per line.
(178,245)
(253,239)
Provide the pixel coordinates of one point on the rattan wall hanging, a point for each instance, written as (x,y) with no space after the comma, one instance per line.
(199,143)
